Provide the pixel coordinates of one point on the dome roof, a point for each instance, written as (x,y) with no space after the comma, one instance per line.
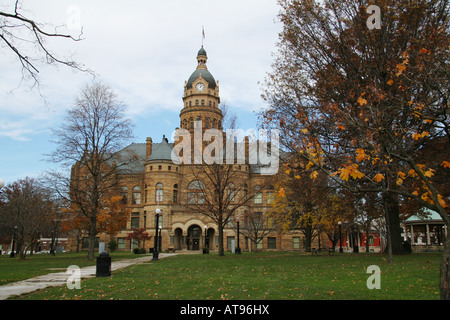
(162,151)
(202,52)
(205,75)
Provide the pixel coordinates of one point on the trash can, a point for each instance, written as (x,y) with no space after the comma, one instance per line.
(103,265)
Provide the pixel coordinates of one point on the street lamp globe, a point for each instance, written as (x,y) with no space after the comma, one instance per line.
(2,183)
(158,211)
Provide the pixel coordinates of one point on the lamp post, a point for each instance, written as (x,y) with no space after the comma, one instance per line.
(238,249)
(340,238)
(160,239)
(155,250)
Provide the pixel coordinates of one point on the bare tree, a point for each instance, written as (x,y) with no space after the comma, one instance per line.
(26,39)
(257,225)
(91,140)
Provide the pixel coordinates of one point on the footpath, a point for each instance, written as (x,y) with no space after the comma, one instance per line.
(60,278)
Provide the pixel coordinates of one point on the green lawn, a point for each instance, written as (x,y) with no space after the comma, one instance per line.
(257,276)
(14,269)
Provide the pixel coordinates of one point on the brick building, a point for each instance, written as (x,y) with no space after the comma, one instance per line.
(155,181)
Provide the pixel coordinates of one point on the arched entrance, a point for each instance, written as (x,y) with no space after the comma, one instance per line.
(194,237)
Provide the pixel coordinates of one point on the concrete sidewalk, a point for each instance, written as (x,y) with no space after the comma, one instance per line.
(60,278)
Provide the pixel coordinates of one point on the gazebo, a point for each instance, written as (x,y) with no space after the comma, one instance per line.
(426,231)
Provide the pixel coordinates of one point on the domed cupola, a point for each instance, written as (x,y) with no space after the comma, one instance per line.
(201,98)
(202,71)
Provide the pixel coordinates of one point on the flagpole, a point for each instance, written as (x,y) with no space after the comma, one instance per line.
(203,34)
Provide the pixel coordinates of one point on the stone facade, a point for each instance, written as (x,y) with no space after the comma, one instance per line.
(157,182)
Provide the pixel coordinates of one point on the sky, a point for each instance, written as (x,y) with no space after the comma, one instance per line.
(145,51)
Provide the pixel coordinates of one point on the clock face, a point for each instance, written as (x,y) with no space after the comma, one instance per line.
(200,87)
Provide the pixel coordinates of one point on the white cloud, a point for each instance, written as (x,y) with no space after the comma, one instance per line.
(144,50)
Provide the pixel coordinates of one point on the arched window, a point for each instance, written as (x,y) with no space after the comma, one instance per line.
(136,199)
(214,124)
(196,102)
(203,102)
(159,192)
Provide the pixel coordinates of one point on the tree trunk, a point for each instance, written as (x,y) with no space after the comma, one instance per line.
(221,251)
(92,234)
(445,272)
(307,231)
(393,225)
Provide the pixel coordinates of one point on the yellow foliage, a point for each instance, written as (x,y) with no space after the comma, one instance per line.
(314,175)
(362,101)
(351,170)
(445,164)
(361,155)
(379,177)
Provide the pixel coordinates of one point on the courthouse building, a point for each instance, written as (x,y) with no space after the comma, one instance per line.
(155,181)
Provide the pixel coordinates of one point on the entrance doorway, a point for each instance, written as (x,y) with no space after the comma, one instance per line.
(194,237)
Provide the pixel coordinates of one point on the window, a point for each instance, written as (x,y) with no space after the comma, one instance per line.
(259,243)
(296,242)
(196,192)
(159,192)
(230,222)
(191,198)
(229,241)
(231,192)
(271,243)
(257,221)
(125,195)
(121,243)
(175,194)
(270,197)
(258,195)
(134,222)
(136,195)
(160,168)
(196,102)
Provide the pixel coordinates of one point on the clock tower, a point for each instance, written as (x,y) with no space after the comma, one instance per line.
(201,98)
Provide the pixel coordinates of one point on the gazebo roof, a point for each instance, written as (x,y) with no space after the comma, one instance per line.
(427,216)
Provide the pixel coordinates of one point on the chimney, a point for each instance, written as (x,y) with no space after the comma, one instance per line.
(149,148)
